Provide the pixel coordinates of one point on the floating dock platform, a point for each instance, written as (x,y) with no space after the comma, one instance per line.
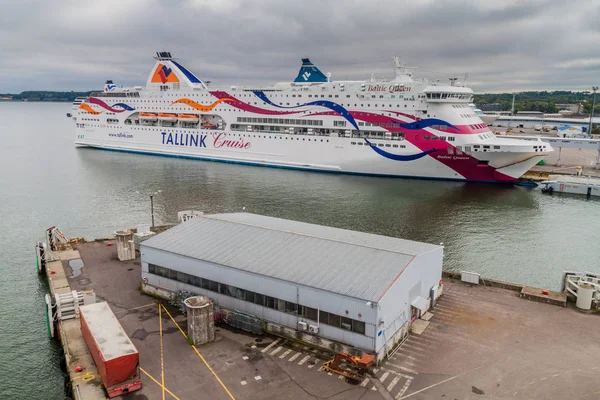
(572,184)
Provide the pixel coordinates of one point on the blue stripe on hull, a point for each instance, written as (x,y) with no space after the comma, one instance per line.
(255,164)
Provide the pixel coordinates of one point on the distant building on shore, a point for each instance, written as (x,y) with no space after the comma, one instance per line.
(569,109)
(489,106)
(6,98)
(530,114)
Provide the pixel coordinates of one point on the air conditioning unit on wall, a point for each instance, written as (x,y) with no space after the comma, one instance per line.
(313,329)
(302,326)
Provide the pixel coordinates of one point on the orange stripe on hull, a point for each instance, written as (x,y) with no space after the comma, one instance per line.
(88,108)
(199,106)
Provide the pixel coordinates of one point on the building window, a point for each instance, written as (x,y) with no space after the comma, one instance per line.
(270,302)
(346,324)
(358,327)
(310,313)
(260,299)
(334,320)
(323,316)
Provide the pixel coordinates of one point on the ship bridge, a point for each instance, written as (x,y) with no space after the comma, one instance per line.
(448,94)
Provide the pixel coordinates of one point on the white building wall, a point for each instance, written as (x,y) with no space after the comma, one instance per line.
(423,273)
(344,306)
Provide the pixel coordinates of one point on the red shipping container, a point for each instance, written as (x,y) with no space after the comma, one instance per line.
(115,356)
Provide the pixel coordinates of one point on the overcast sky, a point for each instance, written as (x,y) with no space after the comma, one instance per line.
(503,45)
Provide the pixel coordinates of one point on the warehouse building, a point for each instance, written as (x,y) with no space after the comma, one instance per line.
(335,288)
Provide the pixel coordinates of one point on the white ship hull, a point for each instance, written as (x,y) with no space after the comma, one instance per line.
(306,152)
(402,128)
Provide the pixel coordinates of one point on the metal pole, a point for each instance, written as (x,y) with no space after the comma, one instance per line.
(152,208)
(594,88)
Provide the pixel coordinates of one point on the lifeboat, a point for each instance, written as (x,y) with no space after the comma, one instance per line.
(167,117)
(208,125)
(145,116)
(188,118)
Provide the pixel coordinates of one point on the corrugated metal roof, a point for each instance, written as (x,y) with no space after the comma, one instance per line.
(354,264)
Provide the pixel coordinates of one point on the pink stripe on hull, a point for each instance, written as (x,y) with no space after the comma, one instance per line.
(464,164)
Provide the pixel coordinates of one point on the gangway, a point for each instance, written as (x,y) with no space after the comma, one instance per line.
(56,239)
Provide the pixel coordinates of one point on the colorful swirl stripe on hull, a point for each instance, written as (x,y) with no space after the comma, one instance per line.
(234,102)
(441,150)
(198,106)
(122,106)
(335,107)
(86,107)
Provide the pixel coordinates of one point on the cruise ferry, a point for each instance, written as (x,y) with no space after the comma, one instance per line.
(400,127)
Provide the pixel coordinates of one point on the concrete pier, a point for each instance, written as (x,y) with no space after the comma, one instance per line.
(86,383)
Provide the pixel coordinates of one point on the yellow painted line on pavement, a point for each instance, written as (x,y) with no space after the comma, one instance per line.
(158,383)
(200,355)
(162,365)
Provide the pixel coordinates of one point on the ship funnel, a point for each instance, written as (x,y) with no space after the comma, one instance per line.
(310,73)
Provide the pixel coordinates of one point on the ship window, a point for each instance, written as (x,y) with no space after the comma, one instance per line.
(497,147)
(426,137)
(360,143)
(394,145)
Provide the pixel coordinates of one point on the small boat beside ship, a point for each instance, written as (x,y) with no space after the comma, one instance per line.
(584,185)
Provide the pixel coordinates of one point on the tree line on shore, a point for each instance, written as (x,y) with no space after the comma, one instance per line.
(44,95)
(544,101)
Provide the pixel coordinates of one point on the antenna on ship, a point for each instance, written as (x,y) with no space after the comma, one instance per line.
(401,69)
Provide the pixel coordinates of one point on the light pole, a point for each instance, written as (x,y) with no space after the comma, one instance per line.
(594,89)
(152,204)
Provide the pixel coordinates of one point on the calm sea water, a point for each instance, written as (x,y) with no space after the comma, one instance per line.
(510,233)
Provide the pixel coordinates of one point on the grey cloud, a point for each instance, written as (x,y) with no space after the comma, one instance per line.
(503,45)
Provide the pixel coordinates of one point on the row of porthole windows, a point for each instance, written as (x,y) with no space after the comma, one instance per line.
(378,145)
(449,138)
(281,121)
(274,303)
